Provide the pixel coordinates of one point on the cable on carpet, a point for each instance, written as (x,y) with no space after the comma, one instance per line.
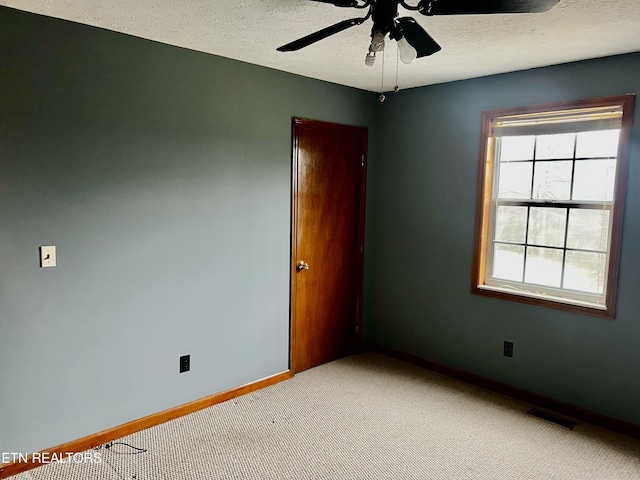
(137,449)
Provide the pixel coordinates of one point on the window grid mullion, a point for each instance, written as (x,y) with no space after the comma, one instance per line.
(526,243)
(564,247)
(526,233)
(550,247)
(533,203)
(566,220)
(573,167)
(533,166)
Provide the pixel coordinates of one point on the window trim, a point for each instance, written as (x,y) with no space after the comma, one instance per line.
(486,169)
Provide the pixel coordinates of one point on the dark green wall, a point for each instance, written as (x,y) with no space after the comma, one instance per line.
(421,222)
(163,177)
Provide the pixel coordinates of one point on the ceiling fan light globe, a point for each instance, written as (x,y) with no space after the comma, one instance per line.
(370,59)
(407,53)
(377,42)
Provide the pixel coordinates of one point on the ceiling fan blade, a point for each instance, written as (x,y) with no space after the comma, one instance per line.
(319,35)
(472,7)
(340,3)
(417,37)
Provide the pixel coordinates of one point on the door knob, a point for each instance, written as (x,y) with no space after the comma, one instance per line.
(302,266)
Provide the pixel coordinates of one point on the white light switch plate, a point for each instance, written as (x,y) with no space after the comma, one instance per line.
(48,256)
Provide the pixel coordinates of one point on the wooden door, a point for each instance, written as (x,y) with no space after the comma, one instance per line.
(329,166)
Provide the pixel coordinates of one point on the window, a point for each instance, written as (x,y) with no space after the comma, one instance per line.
(550,202)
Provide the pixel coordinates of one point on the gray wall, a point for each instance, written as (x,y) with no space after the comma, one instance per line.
(163,177)
(421,222)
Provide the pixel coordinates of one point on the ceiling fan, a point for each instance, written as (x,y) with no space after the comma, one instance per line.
(413,41)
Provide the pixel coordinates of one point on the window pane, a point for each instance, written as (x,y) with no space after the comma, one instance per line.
(585,271)
(588,229)
(508,262)
(515,180)
(547,226)
(516,148)
(594,180)
(559,145)
(552,180)
(511,224)
(603,143)
(544,266)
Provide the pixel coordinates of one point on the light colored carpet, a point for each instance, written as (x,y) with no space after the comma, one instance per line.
(364,417)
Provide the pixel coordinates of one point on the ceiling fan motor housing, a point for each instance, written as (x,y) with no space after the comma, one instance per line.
(384,13)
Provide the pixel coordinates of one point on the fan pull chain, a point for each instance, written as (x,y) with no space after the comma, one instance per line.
(382,97)
(396,88)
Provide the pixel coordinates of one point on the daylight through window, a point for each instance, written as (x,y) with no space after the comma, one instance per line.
(550,203)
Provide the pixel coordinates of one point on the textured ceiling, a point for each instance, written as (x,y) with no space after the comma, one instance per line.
(472,46)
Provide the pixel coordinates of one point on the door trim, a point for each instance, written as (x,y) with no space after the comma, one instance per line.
(296,124)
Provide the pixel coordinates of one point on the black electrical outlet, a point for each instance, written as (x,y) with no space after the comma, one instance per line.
(508,349)
(185,363)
